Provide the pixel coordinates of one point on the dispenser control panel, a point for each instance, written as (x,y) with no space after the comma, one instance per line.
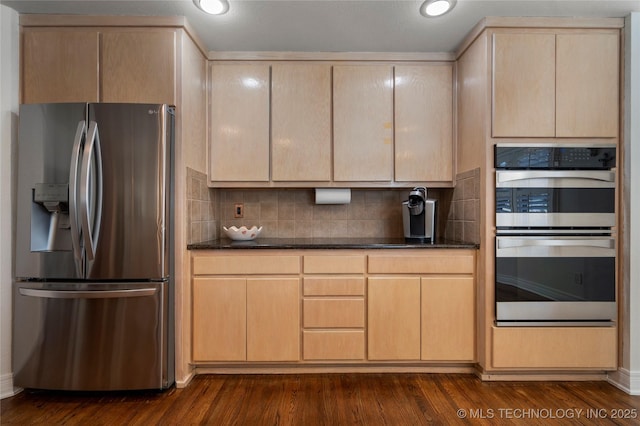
(51,193)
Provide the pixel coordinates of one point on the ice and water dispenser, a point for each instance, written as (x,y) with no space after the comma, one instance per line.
(50,226)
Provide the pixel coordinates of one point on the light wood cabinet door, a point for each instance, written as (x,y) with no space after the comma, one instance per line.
(524,85)
(138,66)
(60,66)
(448,319)
(301,122)
(423,123)
(239,149)
(363,123)
(219,319)
(273,319)
(587,85)
(393,318)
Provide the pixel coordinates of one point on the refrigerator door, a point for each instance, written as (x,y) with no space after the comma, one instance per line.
(129,227)
(91,336)
(44,235)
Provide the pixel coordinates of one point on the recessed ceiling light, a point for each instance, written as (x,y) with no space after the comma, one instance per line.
(433,8)
(213,7)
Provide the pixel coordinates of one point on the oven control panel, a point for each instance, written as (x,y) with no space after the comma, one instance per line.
(574,157)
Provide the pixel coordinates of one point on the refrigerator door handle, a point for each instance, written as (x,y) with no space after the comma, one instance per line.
(90,294)
(73,196)
(91,195)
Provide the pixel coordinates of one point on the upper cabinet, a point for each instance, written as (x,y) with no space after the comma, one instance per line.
(239,145)
(320,124)
(424,123)
(138,66)
(99,65)
(587,91)
(301,122)
(555,84)
(60,66)
(363,122)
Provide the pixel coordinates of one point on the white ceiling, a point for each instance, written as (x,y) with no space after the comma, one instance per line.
(332,25)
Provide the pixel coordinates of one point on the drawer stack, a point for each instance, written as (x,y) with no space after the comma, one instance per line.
(333,308)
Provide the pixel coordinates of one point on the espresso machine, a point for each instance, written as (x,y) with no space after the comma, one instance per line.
(419,217)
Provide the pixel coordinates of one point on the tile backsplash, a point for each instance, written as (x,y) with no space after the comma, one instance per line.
(292,213)
(463,222)
(202,208)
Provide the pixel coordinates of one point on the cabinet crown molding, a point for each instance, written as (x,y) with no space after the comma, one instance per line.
(333,56)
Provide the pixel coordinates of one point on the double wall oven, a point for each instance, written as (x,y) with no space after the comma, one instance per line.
(555,243)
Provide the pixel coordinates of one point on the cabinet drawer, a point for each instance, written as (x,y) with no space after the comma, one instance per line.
(427,264)
(245,265)
(333,345)
(333,264)
(326,313)
(555,347)
(333,286)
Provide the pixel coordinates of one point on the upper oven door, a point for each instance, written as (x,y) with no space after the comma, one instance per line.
(555,198)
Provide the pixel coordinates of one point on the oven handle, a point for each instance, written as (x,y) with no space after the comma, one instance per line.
(554,247)
(504,176)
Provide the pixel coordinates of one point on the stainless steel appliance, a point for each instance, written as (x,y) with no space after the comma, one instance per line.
(93,297)
(419,217)
(555,249)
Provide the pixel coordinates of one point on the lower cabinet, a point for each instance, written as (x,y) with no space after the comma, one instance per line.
(219,319)
(253,319)
(273,319)
(448,319)
(583,348)
(421,318)
(394,318)
(357,306)
(425,314)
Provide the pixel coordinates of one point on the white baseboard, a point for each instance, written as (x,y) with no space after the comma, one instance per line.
(628,381)
(6,386)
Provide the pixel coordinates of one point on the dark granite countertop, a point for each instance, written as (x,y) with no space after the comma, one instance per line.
(328,243)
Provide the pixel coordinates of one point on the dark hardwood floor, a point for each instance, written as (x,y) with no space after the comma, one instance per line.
(334,399)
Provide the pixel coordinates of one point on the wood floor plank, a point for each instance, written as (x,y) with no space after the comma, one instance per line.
(334,399)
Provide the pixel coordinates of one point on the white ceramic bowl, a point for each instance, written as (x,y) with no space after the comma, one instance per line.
(243,233)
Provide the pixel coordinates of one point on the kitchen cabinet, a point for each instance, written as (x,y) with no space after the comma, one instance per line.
(331,124)
(99,65)
(246,308)
(301,122)
(138,66)
(393,309)
(273,319)
(448,318)
(239,145)
(422,307)
(363,123)
(587,92)
(555,84)
(238,319)
(570,348)
(219,319)
(423,121)
(319,307)
(333,308)
(60,66)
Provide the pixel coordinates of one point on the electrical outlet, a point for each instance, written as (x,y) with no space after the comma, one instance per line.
(238,210)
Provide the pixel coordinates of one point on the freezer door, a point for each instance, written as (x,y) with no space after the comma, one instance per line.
(132,239)
(91,337)
(46,138)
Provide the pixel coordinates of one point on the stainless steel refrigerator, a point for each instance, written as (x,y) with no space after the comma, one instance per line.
(93,295)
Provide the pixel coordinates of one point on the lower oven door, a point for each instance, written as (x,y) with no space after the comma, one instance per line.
(546,279)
